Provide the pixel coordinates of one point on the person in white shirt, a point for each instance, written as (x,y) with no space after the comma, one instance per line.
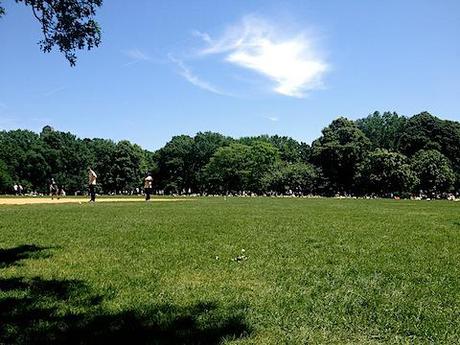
(148,186)
(54,189)
(92,184)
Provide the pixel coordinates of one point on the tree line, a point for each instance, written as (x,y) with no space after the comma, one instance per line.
(383,154)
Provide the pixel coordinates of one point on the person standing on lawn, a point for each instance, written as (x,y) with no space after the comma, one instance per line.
(148,186)
(92,184)
(54,189)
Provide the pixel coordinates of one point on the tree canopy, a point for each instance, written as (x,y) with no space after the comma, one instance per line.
(383,130)
(381,154)
(385,172)
(434,171)
(338,152)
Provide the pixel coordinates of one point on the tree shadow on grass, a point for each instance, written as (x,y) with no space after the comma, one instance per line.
(13,256)
(40,311)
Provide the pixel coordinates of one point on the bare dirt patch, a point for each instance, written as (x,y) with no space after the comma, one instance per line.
(70,200)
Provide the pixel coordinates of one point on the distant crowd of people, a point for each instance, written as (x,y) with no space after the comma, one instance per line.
(57,191)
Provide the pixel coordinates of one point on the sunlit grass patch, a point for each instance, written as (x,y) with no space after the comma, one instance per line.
(314,271)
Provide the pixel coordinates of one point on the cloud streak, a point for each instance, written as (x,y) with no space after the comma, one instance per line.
(291,62)
(273,118)
(136,55)
(53,91)
(185,72)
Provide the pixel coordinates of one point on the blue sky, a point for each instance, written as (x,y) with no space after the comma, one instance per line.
(237,67)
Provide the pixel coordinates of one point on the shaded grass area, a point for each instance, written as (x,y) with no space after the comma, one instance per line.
(52,311)
(318,271)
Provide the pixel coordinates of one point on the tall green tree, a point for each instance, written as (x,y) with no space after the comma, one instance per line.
(175,164)
(102,155)
(238,167)
(295,177)
(23,152)
(67,157)
(425,131)
(384,172)
(262,158)
(126,165)
(228,170)
(383,130)
(290,150)
(421,133)
(205,144)
(6,182)
(338,151)
(434,172)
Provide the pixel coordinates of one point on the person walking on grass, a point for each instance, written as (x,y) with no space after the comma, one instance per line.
(92,184)
(54,189)
(148,186)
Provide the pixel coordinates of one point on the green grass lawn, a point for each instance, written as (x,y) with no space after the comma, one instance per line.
(318,271)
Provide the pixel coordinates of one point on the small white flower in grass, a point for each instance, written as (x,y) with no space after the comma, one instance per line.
(241,257)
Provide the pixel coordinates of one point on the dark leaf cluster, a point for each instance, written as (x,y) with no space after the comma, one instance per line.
(68,25)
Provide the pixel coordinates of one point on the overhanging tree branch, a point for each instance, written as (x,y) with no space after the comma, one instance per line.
(68,25)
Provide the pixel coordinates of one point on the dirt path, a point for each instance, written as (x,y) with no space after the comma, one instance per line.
(70,200)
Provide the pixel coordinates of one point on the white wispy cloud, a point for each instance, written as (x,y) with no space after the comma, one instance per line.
(136,54)
(291,61)
(53,91)
(185,72)
(273,118)
(203,35)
